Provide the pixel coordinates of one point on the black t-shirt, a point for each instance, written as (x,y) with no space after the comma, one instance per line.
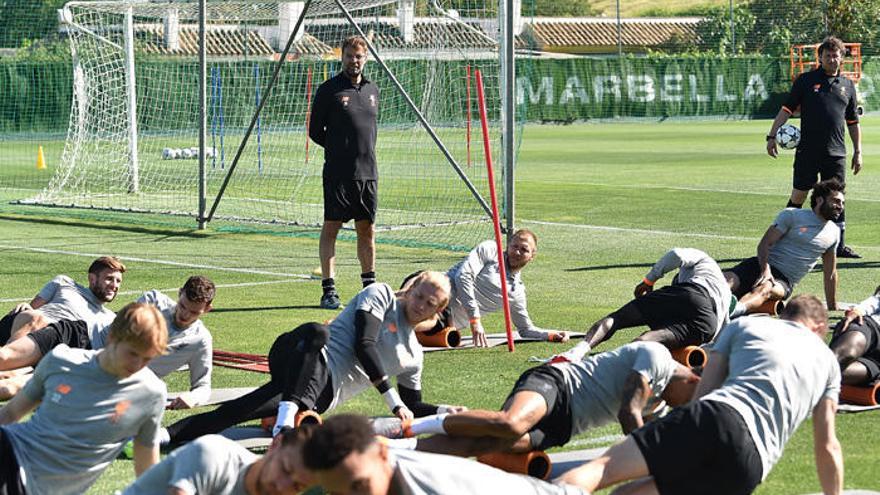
(827,105)
(343,121)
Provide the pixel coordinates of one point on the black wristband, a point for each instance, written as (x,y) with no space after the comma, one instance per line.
(769,137)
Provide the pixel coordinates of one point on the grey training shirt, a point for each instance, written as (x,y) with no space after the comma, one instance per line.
(401,354)
(806,237)
(209,465)
(68,300)
(596,384)
(85,417)
(191,346)
(778,371)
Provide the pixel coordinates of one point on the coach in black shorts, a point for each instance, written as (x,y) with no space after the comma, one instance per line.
(827,103)
(343,122)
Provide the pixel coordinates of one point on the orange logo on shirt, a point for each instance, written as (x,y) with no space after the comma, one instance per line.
(803,230)
(816,88)
(119,410)
(63,389)
(344,101)
(392,328)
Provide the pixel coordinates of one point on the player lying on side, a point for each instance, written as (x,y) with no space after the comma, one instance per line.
(476,290)
(347,458)
(90,404)
(317,367)
(553,402)
(690,311)
(215,465)
(856,342)
(790,249)
(63,299)
(189,342)
(765,376)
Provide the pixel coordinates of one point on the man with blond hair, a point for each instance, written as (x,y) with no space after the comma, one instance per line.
(318,367)
(63,299)
(90,404)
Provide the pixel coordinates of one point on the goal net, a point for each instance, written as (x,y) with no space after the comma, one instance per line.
(132,141)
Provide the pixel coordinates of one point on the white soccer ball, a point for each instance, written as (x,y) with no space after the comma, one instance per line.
(167,153)
(788,137)
(187,153)
(173,153)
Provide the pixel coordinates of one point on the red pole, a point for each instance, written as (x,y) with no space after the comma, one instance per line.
(496,223)
(468,103)
(308,108)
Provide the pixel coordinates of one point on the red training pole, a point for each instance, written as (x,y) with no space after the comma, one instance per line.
(468,86)
(496,221)
(308,108)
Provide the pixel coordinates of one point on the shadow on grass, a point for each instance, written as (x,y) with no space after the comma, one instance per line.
(263,308)
(166,233)
(732,261)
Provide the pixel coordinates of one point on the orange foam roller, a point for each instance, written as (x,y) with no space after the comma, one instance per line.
(863,396)
(772,308)
(301,418)
(448,337)
(692,356)
(535,463)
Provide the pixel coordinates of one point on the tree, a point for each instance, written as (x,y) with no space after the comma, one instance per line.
(22,21)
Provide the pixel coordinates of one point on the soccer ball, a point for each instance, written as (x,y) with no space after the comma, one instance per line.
(167,154)
(788,137)
(187,153)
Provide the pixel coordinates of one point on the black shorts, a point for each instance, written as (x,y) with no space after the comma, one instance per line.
(73,333)
(871,358)
(703,447)
(287,360)
(6,327)
(684,309)
(346,200)
(554,429)
(749,271)
(809,165)
(10,472)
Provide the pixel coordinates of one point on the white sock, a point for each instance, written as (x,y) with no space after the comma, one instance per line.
(738,311)
(401,443)
(428,424)
(164,436)
(286,415)
(578,352)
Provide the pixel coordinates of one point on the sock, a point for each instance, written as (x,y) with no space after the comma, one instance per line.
(329,285)
(738,311)
(286,415)
(428,424)
(577,353)
(401,443)
(368,278)
(164,436)
(793,205)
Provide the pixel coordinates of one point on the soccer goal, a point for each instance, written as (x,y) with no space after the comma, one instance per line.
(133,135)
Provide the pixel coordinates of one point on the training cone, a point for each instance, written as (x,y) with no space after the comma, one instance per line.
(41,160)
(535,463)
(691,356)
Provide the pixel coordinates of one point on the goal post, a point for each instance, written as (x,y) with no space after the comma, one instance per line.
(144,156)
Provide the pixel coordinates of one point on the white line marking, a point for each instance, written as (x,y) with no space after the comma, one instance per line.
(158,262)
(640,231)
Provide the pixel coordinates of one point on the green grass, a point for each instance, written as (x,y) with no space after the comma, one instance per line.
(606,200)
(636,8)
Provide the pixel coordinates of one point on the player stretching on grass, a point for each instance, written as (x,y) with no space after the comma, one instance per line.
(553,402)
(214,465)
(90,404)
(827,102)
(476,290)
(764,378)
(64,299)
(690,311)
(856,342)
(347,458)
(317,367)
(790,249)
(189,342)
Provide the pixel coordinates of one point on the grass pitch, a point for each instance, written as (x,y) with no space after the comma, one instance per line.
(606,200)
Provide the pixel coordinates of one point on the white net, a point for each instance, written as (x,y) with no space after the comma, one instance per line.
(133,136)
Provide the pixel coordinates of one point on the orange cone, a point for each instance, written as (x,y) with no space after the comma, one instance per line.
(41,160)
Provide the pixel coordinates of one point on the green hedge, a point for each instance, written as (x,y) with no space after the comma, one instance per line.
(36,96)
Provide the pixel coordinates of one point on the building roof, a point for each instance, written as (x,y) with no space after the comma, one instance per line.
(223,42)
(591,33)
